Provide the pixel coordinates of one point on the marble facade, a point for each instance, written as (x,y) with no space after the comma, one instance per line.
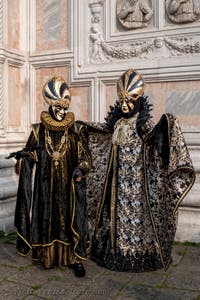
(90,43)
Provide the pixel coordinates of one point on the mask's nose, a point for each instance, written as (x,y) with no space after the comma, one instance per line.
(124,104)
(62,111)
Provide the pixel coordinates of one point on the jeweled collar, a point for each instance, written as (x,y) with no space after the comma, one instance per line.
(54,125)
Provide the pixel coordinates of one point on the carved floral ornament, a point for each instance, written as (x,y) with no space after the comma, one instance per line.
(102,51)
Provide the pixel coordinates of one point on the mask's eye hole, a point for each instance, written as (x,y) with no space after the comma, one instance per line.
(135,96)
(66,109)
(128,100)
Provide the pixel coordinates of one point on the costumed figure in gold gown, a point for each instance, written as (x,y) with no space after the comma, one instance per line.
(147,171)
(51,212)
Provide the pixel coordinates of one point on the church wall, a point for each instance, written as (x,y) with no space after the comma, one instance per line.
(91,43)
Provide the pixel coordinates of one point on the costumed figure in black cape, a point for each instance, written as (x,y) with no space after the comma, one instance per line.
(51,211)
(140,175)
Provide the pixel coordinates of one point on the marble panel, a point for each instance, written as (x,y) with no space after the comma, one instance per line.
(183,103)
(14,97)
(80,102)
(182,99)
(42,75)
(51,24)
(111,95)
(13,23)
(156,96)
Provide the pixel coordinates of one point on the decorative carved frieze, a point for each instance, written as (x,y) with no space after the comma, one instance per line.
(133,49)
(133,14)
(182,11)
(101,51)
(182,45)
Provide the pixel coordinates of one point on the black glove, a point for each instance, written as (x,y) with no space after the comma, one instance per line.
(161,140)
(19,154)
(143,108)
(77,173)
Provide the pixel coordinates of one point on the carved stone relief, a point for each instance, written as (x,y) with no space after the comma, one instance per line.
(182,45)
(134,14)
(96,37)
(182,11)
(101,51)
(96,7)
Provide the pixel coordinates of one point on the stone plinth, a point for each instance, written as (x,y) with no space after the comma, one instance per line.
(8,191)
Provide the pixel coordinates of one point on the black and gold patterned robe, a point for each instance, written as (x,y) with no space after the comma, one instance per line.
(137,182)
(51,211)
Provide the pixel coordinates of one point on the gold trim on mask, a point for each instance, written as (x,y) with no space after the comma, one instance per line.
(61,102)
(54,95)
(124,87)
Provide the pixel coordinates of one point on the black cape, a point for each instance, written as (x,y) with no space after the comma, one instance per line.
(51,211)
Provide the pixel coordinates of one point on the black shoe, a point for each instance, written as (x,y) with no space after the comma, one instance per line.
(79,270)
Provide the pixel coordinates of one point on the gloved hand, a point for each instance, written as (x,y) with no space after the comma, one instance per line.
(144,114)
(19,154)
(77,174)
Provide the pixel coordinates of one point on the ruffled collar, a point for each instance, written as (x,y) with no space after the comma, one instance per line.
(54,125)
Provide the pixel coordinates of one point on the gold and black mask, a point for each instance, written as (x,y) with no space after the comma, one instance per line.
(57,94)
(130,87)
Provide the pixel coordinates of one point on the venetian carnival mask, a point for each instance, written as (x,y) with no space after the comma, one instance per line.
(57,94)
(130,87)
(59,112)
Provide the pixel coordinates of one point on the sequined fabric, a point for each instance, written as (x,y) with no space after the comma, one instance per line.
(137,216)
(131,204)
